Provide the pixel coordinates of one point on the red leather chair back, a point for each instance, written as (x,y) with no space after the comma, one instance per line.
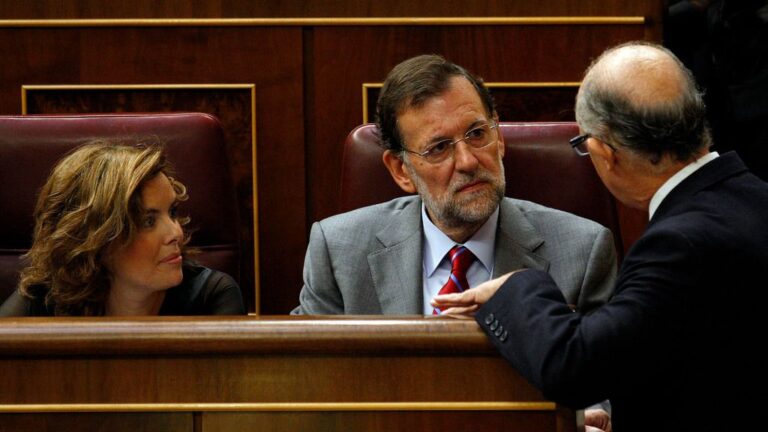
(539,164)
(194,143)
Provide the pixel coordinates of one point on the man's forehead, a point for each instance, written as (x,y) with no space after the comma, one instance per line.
(455,83)
(458,106)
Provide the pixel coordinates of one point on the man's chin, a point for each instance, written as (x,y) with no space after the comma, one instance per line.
(473,212)
(466,208)
(483,198)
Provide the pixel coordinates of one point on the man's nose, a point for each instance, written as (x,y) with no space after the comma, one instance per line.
(465,159)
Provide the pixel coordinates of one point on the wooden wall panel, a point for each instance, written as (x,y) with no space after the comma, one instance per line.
(97,422)
(514,102)
(286,373)
(274,378)
(12,9)
(386,421)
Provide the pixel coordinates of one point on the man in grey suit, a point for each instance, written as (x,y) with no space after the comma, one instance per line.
(439,125)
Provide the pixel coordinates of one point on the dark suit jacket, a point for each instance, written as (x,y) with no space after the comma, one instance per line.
(677,346)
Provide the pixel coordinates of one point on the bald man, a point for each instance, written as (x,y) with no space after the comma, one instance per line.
(678,343)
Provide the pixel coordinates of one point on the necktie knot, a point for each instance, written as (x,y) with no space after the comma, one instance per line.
(461,258)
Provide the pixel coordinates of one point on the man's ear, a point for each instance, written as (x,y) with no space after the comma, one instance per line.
(602,153)
(397,170)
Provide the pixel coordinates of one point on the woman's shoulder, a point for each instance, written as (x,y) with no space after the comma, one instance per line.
(204,291)
(198,278)
(31,304)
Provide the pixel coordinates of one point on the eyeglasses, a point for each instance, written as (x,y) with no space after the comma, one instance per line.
(476,138)
(579,144)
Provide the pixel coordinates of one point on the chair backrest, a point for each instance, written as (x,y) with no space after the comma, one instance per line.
(194,143)
(539,164)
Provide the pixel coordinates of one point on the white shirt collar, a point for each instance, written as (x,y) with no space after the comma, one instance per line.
(676,179)
(437,244)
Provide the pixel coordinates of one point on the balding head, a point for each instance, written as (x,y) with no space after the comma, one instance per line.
(643,75)
(640,97)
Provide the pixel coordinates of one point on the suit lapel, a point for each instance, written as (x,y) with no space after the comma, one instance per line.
(516,242)
(397,267)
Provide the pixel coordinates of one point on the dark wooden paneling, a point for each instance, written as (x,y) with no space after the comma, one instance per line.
(260,378)
(273,372)
(96,422)
(516,103)
(386,421)
(535,104)
(319,8)
(269,57)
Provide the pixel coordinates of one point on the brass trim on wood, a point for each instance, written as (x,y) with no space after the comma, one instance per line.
(208,86)
(279,407)
(354,21)
(522,84)
(254,186)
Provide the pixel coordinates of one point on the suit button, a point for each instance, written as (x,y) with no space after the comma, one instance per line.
(495,325)
(499,331)
(503,336)
(489,319)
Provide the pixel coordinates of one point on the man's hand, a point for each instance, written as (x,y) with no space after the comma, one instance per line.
(597,420)
(469,301)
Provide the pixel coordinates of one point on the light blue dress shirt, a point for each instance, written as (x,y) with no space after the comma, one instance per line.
(437,265)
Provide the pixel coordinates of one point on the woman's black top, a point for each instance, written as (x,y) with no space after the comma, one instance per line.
(203,291)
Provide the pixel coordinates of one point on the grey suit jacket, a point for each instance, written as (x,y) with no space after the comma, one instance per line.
(369,261)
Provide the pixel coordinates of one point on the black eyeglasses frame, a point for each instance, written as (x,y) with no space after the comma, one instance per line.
(577,141)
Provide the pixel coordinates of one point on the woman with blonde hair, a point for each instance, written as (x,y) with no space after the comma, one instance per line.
(108,241)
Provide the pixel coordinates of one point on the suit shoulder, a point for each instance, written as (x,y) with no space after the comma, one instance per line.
(543,216)
(376,213)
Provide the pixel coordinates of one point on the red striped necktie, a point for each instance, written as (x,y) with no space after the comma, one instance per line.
(461,259)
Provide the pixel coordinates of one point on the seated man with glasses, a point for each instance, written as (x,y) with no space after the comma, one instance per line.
(440,128)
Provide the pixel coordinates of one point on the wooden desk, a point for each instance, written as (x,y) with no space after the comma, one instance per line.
(268,373)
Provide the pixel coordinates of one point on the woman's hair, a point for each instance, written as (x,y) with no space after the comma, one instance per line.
(90,204)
